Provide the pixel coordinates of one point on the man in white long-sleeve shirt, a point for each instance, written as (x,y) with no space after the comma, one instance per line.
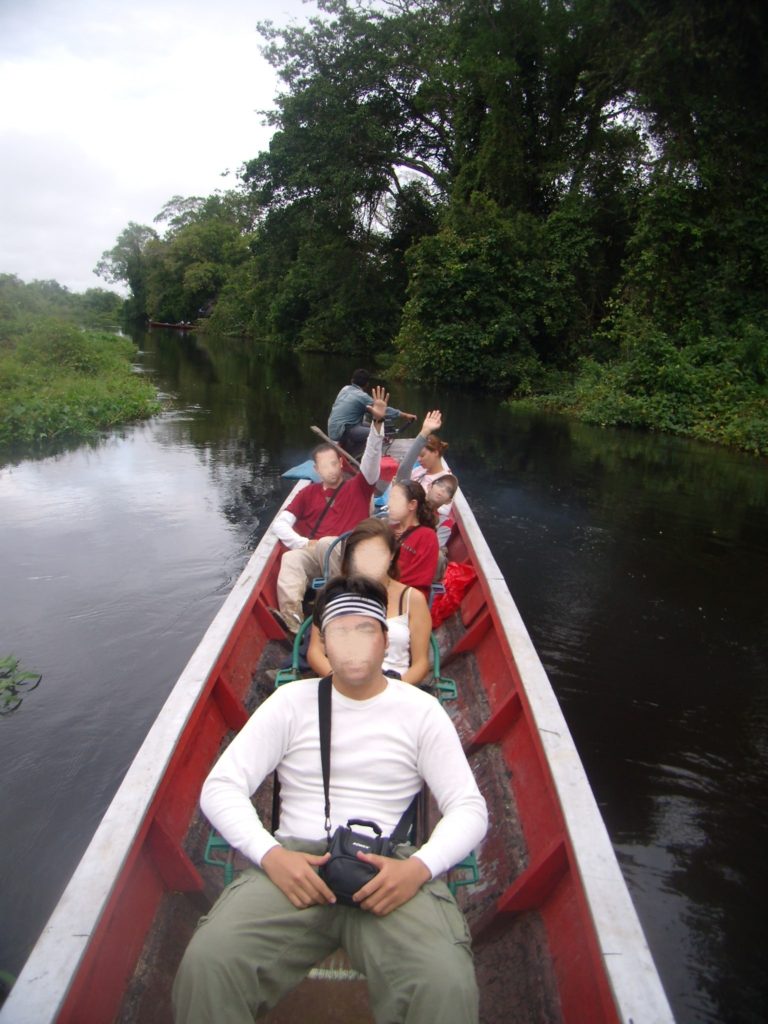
(406,934)
(321,512)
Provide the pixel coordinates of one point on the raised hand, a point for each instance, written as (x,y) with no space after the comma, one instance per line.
(378,407)
(293,873)
(432,421)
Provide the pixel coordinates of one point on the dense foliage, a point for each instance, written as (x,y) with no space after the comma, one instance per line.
(95,307)
(566,201)
(57,379)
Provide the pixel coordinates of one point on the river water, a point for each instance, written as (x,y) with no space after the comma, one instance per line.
(639,563)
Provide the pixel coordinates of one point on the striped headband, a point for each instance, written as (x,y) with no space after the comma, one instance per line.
(353,604)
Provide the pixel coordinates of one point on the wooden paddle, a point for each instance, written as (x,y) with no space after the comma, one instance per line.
(339,449)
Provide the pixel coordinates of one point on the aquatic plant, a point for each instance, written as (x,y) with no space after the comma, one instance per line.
(61,382)
(15,683)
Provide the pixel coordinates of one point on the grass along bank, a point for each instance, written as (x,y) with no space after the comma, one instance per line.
(58,381)
(707,391)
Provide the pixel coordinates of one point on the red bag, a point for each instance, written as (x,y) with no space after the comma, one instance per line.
(457,580)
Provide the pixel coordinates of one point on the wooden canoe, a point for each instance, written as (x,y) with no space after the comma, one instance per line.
(184,325)
(556,935)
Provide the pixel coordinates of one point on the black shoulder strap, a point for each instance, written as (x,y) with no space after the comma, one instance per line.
(275,801)
(324,711)
(407,822)
(408,819)
(328,504)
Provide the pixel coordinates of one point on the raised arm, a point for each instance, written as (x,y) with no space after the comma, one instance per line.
(432,421)
(370,464)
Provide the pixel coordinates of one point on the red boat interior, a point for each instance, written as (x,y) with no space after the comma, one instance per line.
(536,954)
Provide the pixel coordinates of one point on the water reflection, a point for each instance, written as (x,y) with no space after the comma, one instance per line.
(639,564)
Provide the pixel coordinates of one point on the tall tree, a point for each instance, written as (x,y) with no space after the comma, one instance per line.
(204,241)
(360,125)
(697,264)
(364,106)
(126,262)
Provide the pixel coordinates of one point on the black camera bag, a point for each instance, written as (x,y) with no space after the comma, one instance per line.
(344,874)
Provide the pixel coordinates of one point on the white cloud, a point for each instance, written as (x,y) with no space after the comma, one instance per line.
(109,109)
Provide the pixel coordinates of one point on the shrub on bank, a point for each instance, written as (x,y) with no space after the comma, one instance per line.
(58,381)
(712,389)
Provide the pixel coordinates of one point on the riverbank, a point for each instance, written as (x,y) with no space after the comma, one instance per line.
(714,402)
(59,381)
(704,393)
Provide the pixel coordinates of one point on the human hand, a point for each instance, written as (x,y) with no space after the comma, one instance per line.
(396,882)
(294,874)
(432,421)
(409,415)
(378,407)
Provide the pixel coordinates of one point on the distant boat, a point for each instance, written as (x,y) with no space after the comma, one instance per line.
(183,325)
(556,935)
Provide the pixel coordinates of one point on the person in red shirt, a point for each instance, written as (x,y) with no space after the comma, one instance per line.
(414,520)
(321,512)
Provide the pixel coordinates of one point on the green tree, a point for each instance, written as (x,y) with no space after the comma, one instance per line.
(206,239)
(697,260)
(360,151)
(363,108)
(126,262)
(477,293)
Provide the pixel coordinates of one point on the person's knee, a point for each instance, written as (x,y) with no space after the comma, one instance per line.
(202,957)
(449,989)
(191,979)
(210,980)
(449,978)
(290,562)
(435,988)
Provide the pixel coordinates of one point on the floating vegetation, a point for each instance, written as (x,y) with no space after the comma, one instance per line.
(60,382)
(14,684)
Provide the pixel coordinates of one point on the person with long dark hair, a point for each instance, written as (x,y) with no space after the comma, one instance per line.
(371,550)
(414,522)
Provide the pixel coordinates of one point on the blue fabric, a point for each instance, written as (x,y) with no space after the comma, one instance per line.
(304,471)
(383,499)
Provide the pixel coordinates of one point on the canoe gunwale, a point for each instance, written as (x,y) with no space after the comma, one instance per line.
(627,960)
(61,952)
(42,987)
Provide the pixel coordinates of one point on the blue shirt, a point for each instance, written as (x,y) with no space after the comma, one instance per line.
(349,408)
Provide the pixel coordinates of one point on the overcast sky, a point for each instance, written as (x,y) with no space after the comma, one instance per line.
(110,107)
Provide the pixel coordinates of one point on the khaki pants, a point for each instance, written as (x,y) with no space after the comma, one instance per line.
(297,569)
(254,947)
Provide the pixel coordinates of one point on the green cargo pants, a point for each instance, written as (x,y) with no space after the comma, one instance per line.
(254,947)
